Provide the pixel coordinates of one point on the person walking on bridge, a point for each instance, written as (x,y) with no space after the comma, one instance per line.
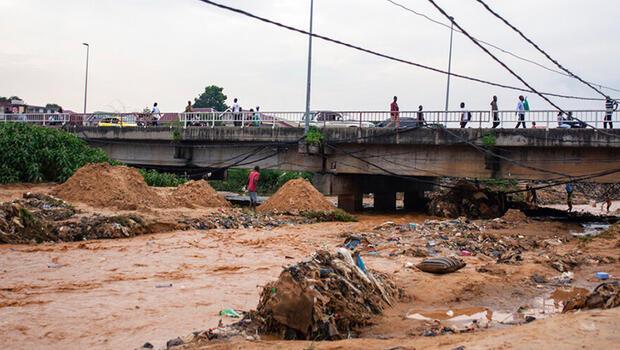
(394,113)
(252,185)
(610,107)
(521,112)
(495,112)
(465,115)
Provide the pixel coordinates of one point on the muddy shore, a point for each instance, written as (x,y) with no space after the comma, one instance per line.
(121,293)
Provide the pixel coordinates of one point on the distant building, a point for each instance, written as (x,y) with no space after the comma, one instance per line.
(16,106)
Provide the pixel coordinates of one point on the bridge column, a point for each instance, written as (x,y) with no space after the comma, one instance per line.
(350,202)
(385,201)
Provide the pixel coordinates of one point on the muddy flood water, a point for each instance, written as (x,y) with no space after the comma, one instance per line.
(122,293)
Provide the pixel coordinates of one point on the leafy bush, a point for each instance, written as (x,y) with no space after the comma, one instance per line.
(489,140)
(270,180)
(314,136)
(157,179)
(32,153)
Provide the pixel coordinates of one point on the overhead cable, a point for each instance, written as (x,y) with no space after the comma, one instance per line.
(540,49)
(493,45)
(390,57)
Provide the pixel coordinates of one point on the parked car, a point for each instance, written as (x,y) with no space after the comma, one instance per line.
(406,123)
(331,119)
(125,122)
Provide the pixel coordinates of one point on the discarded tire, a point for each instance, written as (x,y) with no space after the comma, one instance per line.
(441,265)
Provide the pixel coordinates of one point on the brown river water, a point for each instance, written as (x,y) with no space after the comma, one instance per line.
(117,293)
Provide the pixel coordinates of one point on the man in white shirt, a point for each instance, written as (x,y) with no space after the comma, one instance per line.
(236,109)
(465,115)
(521,112)
(156,114)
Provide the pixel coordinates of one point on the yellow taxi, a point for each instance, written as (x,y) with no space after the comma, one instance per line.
(117,122)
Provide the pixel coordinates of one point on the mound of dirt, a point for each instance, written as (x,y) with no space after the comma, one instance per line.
(297,196)
(198,193)
(515,216)
(104,185)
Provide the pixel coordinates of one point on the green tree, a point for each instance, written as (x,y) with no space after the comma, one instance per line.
(212,97)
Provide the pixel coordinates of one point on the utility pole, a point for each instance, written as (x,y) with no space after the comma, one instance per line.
(449,69)
(309,78)
(86,80)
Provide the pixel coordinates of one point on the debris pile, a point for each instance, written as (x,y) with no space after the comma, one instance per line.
(469,200)
(41,218)
(103,185)
(605,296)
(237,218)
(295,197)
(198,193)
(325,297)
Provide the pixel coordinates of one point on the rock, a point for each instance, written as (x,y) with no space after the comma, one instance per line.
(538,278)
(529,319)
(147,345)
(174,342)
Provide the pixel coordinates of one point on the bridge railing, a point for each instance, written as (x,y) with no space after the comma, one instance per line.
(246,119)
(555,119)
(46,119)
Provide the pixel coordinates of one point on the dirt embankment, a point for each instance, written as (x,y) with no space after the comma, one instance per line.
(297,196)
(106,186)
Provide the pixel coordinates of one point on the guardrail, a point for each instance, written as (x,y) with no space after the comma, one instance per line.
(247,119)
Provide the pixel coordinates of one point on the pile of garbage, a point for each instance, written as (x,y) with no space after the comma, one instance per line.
(604,296)
(325,297)
(198,194)
(103,185)
(235,218)
(38,218)
(469,200)
(295,197)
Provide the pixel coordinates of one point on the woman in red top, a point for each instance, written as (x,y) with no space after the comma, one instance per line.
(252,185)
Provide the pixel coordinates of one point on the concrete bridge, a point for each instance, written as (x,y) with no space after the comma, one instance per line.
(359,160)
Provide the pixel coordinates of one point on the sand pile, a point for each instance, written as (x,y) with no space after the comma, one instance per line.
(297,196)
(104,185)
(198,193)
(514,215)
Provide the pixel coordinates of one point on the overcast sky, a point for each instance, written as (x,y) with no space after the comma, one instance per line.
(168,50)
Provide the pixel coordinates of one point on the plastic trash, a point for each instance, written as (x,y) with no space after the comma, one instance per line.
(54,266)
(465,253)
(163,285)
(360,263)
(230,313)
(413,225)
(602,275)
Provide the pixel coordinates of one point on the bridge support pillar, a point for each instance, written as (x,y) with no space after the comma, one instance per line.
(385,201)
(350,202)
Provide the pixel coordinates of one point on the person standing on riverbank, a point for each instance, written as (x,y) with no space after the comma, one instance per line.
(252,185)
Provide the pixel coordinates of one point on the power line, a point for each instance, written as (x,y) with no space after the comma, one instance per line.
(493,56)
(443,12)
(492,45)
(389,57)
(539,49)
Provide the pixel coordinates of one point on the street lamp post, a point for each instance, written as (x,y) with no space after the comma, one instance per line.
(309,78)
(449,69)
(86,80)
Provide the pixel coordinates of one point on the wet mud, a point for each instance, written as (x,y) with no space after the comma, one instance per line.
(121,293)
